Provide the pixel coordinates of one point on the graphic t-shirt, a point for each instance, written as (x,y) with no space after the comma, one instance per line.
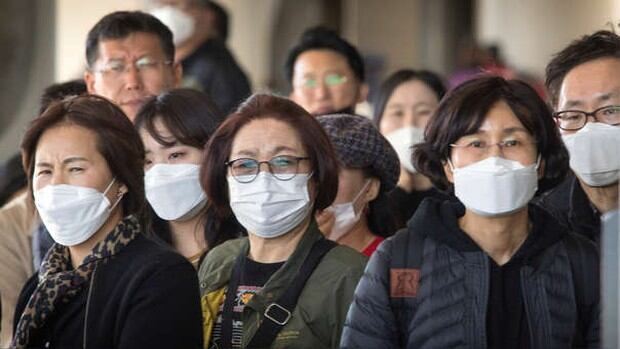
(254,275)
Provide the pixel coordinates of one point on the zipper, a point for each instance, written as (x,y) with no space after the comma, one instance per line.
(90,292)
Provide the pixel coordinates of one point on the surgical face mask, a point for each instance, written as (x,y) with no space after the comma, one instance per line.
(495,186)
(403,140)
(345,216)
(174,191)
(595,153)
(180,24)
(72,214)
(268,207)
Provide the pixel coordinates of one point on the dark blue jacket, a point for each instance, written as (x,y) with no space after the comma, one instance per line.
(450,308)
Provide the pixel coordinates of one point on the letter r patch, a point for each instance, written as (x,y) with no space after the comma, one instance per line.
(404,282)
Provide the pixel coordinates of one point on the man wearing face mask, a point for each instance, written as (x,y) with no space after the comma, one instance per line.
(200,30)
(583,81)
(326,73)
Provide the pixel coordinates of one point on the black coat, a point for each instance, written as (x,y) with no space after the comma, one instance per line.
(146,296)
(450,309)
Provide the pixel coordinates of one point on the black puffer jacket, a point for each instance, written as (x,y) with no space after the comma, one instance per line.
(450,308)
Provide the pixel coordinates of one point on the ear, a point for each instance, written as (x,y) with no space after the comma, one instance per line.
(447,170)
(178,74)
(373,189)
(89,79)
(363,93)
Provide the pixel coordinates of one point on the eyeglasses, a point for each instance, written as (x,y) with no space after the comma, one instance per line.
(572,120)
(333,79)
(283,167)
(144,66)
(511,148)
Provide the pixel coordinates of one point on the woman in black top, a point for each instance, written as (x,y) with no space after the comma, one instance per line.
(102,284)
(405,103)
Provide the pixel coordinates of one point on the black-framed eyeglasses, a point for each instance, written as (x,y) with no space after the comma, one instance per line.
(282,167)
(573,120)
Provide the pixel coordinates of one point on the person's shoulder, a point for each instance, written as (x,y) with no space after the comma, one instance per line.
(344,259)
(143,251)
(217,264)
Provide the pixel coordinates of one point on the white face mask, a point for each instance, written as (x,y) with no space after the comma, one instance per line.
(595,153)
(495,186)
(345,216)
(174,190)
(268,207)
(403,140)
(72,214)
(180,24)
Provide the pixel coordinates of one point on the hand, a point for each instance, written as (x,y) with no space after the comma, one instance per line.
(325,219)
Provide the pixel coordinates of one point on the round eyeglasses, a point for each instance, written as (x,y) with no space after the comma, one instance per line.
(282,167)
(573,120)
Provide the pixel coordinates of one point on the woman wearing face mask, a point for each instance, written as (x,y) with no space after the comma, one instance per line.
(405,103)
(102,284)
(284,285)
(361,216)
(490,271)
(175,128)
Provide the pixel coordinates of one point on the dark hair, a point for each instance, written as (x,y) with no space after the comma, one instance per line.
(263,106)
(318,38)
(463,110)
(221,19)
(601,44)
(120,24)
(191,117)
(117,141)
(432,81)
(13,178)
(381,218)
(60,91)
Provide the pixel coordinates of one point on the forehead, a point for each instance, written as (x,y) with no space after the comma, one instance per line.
(135,45)
(320,61)
(590,81)
(264,136)
(67,140)
(413,91)
(499,118)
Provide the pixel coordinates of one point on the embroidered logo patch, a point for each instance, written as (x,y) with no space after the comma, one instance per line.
(404,282)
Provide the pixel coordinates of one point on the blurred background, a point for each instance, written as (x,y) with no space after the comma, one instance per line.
(42,41)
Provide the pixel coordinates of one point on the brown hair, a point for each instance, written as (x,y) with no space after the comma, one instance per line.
(117,141)
(263,106)
(463,110)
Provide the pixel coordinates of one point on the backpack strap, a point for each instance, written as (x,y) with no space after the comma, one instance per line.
(277,314)
(405,266)
(581,268)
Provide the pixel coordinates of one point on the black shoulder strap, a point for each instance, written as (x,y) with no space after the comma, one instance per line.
(277,314)
(581,268)
(407,253)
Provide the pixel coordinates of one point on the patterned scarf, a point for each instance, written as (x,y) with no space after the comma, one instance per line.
(59,283)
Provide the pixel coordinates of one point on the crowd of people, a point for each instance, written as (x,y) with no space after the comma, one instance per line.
(159,204)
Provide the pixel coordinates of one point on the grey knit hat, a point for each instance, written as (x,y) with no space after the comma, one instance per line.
(359,144)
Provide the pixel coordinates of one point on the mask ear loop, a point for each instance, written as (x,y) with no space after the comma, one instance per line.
(538,160)
(360,194)
(120,197)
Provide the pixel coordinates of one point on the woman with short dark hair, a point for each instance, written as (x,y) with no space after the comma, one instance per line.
(272,165)
(102,284)
(492,270)
(175,128)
